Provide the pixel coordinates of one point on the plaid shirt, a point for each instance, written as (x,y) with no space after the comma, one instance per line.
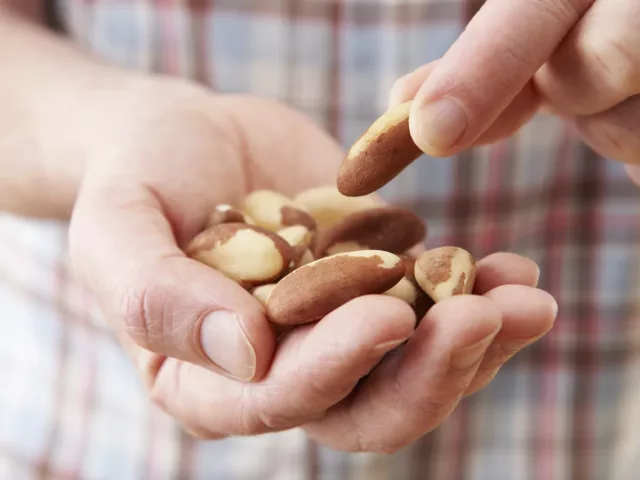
(566,408)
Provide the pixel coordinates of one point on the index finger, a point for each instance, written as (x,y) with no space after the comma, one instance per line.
(499,52)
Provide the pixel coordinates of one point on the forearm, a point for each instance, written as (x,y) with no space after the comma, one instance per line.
(45,85)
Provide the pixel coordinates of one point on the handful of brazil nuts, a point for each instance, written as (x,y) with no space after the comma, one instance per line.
(305,256)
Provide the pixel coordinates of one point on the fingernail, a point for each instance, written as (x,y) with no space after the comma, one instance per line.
(467,356)
(225,343)
(442,123)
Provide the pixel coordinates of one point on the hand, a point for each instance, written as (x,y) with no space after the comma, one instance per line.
(578,58)
(159,160)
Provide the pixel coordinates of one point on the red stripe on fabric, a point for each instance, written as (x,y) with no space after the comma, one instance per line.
(494,198)
(198,19)
(88,397)
(312,460)
(168,36)
(549,360)
(152,436)
(43,465)
(335,110)
(188,456)
(587,364)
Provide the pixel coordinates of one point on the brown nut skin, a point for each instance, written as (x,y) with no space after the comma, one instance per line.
(274,211)
(312,291)
(393,229)
(299,237)
(409,264)
(224,213)
(445,271)
(249,254)
(327,205)
(408,290)
(379,155)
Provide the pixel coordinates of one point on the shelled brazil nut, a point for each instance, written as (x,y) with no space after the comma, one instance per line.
(317,288)
(274,211)
(445,271)
(249,254)
(381,153)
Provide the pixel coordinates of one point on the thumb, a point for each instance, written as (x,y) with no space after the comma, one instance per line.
(125,252)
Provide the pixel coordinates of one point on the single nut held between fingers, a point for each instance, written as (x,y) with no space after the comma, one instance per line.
(393,229)
(249,254)
(327,205)
(224,213)
(445,271)
(312,291)
(274,211)
(380,154)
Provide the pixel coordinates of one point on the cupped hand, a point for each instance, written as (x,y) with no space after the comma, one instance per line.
(580,59)
(364,378)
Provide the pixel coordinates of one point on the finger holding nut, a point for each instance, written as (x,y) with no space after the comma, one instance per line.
(445,271)
(248,254)
(384,150)
(274,211)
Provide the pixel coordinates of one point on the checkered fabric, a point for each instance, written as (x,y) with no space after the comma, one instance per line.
(567,408)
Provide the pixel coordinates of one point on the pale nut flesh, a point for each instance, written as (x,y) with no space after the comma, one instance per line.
(316,289)
(410,292)
(248,254)
(300,238)
(274,211)
(327,205)
(383,151)
(225,213)
(262,292)
(393,229)
(445,271)
(307,257)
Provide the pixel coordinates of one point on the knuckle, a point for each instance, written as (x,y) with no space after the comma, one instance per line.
(432,409)
(615,63)
(261,412)
(142,309)
(274,421)
(563,10)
